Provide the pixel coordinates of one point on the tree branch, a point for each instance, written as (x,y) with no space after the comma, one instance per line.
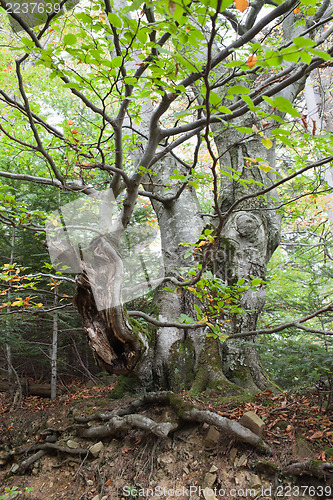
(284,326)
(153,321)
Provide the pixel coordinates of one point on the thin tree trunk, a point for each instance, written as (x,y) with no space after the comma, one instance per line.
(54,352)
(8,348)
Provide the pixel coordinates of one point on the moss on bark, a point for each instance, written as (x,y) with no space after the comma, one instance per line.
(126,386)
(181,372)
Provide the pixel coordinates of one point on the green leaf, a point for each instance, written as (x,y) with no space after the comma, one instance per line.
(185,63)
(214,98)
(73,85)
(225,110)
(306,57)
(225,4)
(320,53)
(309,3)
(70,39)
(283,104)
(84,18)
(142,36)
(27,41)
(117,61)
(197,308)
(269,100)
(130,80)
(238,90)
(285,141)
(274,60)
(291,56)
(244,130)
(114,20)
(234,64)
(301,41)
(280,131)
(311,11)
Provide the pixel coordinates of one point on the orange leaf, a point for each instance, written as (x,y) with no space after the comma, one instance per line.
(297,10)
(251,61)
(39,304)
(241,5)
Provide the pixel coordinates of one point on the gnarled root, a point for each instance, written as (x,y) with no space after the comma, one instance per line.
(310,467)
(122,420)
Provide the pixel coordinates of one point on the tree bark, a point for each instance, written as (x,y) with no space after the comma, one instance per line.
(247,242)
(54,350)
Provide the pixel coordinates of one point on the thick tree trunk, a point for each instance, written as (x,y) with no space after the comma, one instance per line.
(117,346)
(179,358)
(247,242)
(176,351)
(187,359)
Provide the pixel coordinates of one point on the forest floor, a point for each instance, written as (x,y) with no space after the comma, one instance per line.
(194,462)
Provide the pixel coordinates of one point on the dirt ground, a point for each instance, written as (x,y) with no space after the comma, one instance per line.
(195,462)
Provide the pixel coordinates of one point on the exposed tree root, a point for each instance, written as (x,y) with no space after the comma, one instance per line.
(122,420)
(231,427)
(31,460)
(116,424)
(310,467)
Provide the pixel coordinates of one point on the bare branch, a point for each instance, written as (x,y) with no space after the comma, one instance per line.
(32,178)
(277,184)
(53,276)
(284,326)
(153,321)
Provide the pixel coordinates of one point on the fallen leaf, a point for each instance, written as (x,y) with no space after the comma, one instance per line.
(251,61)
(316,435)
(241,5)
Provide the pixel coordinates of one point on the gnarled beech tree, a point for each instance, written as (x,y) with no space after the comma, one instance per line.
(129,86)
